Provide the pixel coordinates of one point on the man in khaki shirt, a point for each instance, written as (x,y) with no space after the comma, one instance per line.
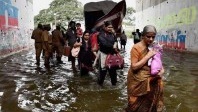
(47,44)
(36,35)
(57,40)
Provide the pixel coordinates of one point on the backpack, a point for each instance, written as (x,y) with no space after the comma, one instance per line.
(137,36)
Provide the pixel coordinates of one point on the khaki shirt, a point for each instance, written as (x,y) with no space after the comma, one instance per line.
(57,36)
(46,37)
(36,34)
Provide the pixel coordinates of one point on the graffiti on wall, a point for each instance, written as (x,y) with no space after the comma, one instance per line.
(8,15)
(185,16)
(176,22)
(12,37)
(173,39)
(176,38)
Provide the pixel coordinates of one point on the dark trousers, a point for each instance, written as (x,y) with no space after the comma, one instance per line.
(84,71)
(112,73)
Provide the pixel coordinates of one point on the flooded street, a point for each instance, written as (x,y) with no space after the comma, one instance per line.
(24,87)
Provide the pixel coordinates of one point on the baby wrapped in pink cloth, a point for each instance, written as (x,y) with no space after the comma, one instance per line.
(156,62)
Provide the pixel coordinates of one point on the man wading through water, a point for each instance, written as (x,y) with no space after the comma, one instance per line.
(71,37)
(57,40)
(36,35)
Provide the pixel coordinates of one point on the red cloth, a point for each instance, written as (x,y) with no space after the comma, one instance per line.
(94,41)
(79,31)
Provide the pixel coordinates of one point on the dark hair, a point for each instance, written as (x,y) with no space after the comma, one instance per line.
(47,27)
(107,23)
(78,24)
(86,31)
(58,27)
(72,22)
(40,26)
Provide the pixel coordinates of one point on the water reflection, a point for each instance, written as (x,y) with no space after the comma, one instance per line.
(181,83)
(26,87)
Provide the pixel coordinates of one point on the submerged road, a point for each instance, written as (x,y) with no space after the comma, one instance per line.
(24,87)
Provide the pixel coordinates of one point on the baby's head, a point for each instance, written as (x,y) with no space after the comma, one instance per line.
(157,46)
(78,25)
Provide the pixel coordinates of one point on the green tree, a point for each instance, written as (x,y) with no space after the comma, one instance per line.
(129,17)
(62,11)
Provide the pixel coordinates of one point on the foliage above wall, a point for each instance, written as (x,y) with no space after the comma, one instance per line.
(62,11)
(129,17)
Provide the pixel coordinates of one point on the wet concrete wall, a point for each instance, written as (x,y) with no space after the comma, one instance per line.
(16,25)
(176,22)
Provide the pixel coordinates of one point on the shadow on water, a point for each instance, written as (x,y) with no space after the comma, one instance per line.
(26,87)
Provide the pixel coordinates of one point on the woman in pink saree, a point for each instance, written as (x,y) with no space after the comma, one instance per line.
(145,92)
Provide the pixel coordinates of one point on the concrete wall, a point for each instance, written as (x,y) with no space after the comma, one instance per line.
(175,20)
(16,25)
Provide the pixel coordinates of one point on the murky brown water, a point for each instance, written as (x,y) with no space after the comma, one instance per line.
(25,87)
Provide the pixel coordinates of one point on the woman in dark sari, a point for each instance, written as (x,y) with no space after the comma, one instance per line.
(145,92)
(85,54)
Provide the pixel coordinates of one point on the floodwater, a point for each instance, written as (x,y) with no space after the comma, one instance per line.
(24,87)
